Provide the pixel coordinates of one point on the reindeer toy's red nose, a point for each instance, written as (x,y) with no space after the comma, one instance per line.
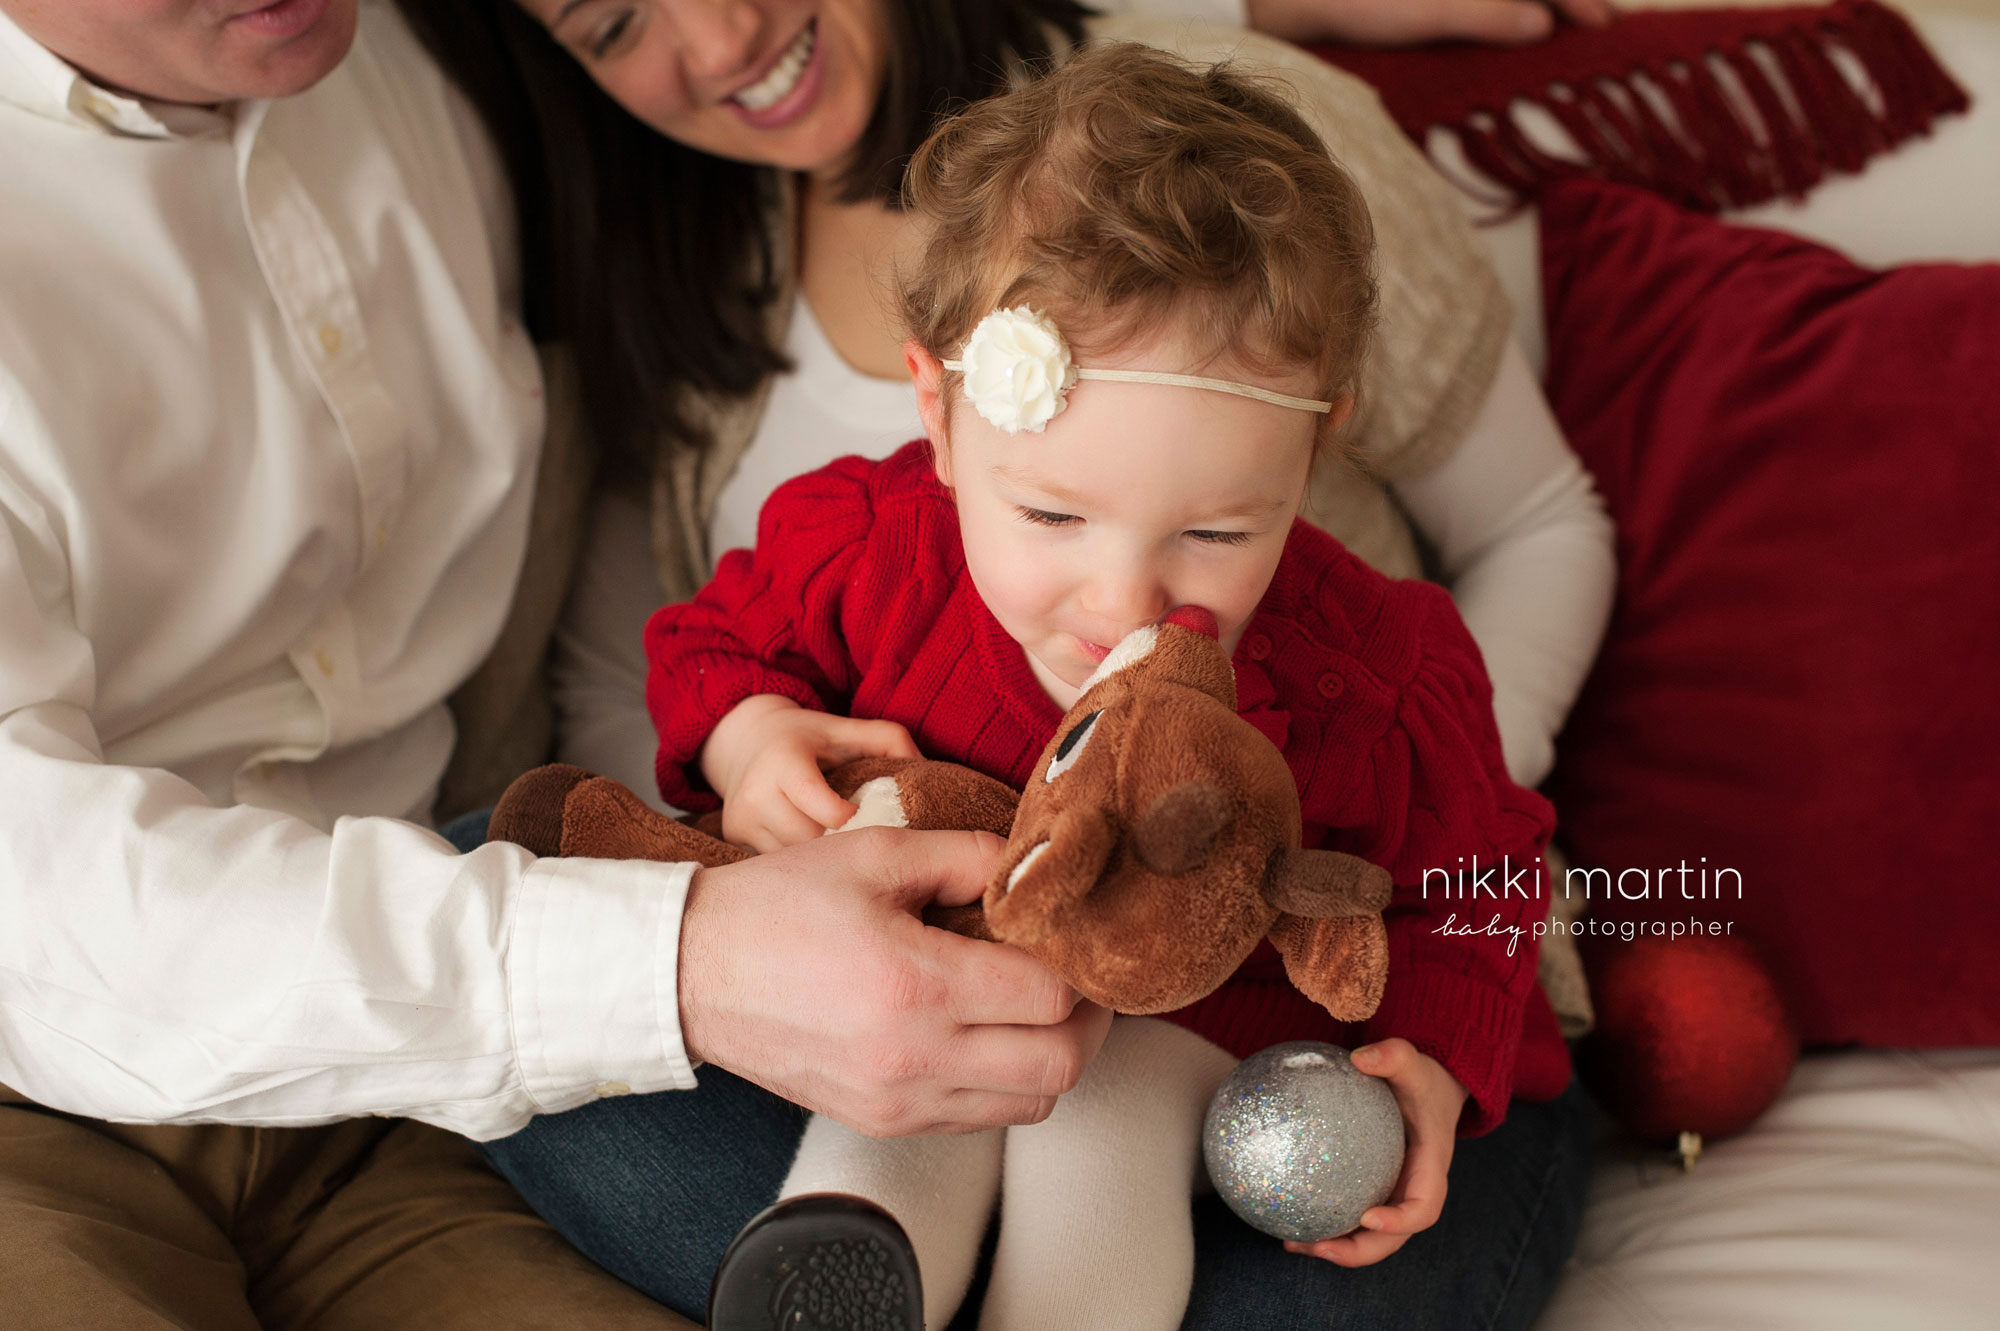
(1195,618)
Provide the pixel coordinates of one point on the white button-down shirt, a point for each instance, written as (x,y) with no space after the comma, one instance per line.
(268,431)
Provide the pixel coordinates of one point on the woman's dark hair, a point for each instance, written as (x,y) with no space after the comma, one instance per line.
(652,260)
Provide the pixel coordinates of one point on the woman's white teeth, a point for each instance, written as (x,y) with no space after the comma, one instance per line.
(768,91)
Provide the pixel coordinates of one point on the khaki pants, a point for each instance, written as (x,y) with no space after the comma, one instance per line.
(375,1224)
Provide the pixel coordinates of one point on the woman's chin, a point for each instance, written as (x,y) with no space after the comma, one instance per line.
(822,150)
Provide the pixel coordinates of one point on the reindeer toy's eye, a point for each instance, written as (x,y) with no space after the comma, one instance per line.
(1072,744)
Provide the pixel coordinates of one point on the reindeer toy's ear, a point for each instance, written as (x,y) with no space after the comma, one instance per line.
(1329,927)
(1158,842)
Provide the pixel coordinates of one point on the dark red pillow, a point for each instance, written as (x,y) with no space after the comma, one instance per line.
(1802,678)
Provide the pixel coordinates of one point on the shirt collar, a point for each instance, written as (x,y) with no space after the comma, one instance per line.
(36,79)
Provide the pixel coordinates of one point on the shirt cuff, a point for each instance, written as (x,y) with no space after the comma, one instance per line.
(594,980)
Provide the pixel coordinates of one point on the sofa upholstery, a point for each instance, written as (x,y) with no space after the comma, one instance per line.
(1868,1196)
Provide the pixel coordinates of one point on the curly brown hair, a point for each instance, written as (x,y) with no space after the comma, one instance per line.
(1129,185)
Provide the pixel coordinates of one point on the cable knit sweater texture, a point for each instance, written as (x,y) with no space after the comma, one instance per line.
(857,601)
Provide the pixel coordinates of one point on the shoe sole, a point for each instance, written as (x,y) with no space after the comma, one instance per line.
(822,1262)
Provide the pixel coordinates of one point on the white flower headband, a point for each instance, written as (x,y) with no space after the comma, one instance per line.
(1018,373)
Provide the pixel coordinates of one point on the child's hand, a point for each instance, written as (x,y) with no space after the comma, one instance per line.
(765,759)
(1430,1099)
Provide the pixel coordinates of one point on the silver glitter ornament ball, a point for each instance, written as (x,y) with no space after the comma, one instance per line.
(1300,1142)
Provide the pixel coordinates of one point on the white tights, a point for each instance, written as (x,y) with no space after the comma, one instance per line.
(1094,1223)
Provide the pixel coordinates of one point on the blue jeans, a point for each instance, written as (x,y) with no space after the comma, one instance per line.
(468,830)
(653,1188)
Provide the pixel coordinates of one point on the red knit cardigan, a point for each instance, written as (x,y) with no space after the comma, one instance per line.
(856,600)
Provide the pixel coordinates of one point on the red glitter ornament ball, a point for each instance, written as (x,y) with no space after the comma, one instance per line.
(1691,1036)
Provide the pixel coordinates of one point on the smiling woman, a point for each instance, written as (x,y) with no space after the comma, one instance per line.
(640,140)
(789,83)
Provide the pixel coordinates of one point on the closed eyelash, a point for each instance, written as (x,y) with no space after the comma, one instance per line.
(1043,518)
(607,39)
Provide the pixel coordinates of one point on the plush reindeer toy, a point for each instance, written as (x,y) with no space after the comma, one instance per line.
(1156,843)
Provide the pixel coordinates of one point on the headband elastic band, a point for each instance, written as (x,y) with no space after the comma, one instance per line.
(1018,373)
(1191,381)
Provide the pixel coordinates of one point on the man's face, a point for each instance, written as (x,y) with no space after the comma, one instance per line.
(195,51)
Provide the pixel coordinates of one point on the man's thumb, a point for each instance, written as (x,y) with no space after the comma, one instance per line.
(942,868)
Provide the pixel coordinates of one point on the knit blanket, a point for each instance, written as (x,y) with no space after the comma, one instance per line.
(1713,108)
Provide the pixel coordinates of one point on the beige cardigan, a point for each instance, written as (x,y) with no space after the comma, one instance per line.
(1444,321)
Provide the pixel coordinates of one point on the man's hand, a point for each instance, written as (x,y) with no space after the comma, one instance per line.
(766,759)
(1430,1099)
(1407,22)
(808,972)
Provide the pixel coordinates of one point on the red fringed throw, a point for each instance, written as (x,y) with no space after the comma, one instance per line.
(1647,98)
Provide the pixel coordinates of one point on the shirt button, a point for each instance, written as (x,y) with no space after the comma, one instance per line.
(1259,647)
(1331,685)
(324,660)
(329,338)
(100,108)
(606,1089)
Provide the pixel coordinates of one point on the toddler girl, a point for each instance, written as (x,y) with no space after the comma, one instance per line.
(1137,325)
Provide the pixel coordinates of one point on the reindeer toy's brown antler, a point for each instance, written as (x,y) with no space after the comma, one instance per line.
(1158,840)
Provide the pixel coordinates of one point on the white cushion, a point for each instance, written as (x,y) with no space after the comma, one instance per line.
(1867,1197)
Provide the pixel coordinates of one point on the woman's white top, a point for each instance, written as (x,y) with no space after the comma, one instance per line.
(824,409)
